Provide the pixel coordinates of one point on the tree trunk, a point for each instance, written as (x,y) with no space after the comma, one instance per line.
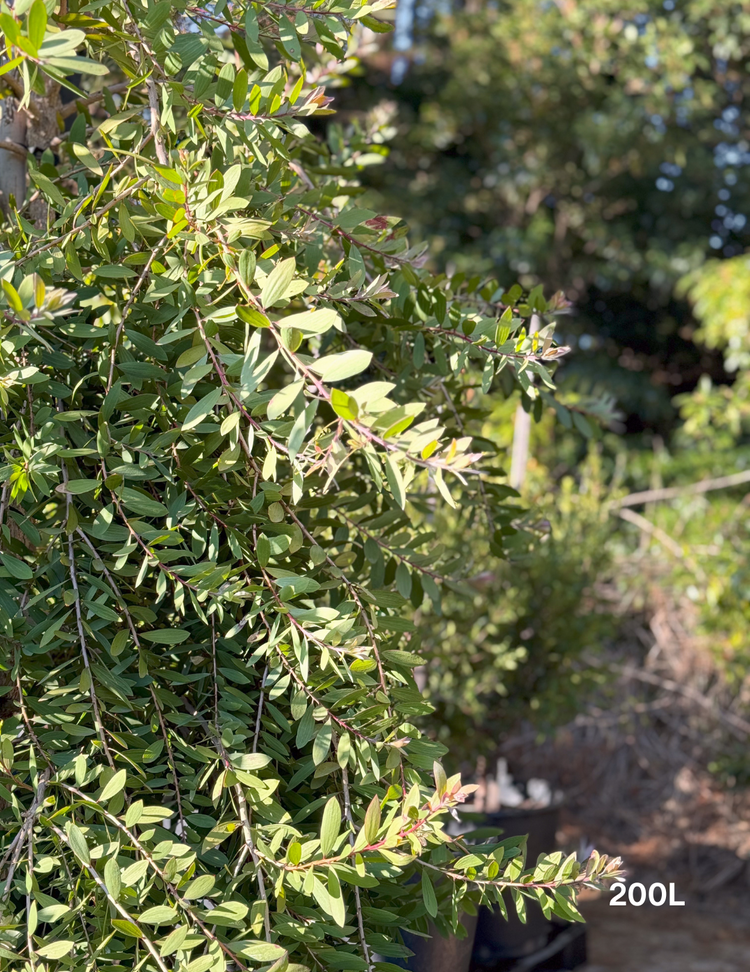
(13,125)
(521,434)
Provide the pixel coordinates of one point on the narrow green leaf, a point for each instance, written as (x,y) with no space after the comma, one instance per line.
(330,826)
(173,941)
(345,364)
(56,950)
(37,27)
(199,887)
(78,487)
(336,898)
(166,636)
(127,928)
(141,504)
(239,90)
(395,481)
(16,568)
(441,780)
(246,267)
(428,895)
(134,813)
(113,787)
(277,282)
(112,878)
(78,843)
(322,743)
(133,874)
(84,155)
(158,915)
(201,409)
(300,428)
(53,913)
(305,729)
(344,405)
(312,322)
(283,399)
(229,913)
(372,820)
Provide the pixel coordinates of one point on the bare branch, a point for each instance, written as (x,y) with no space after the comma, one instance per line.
(656,532)
(673,492)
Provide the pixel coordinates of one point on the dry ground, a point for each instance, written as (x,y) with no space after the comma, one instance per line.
(664,940)
(636,774)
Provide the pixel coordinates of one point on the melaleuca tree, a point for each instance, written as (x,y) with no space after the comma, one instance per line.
(227,402)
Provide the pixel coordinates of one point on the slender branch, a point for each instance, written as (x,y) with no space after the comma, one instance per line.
(79,625)
(357,899)
(137,642)
(673,492)
(352,587)
(29,936)
(92,872)
(126,310)
(248,835)
(656,532)
(27,722)
(3,503)
(260,709)
(391,550)
(247,832)
(61,240)
(225,383)
(348,236)
(363,430)
(16,848)
(459,421)
(182,902)
(304,687)
(75,106)
(612,874)
(15,147)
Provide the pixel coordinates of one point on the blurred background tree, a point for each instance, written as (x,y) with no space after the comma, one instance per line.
(600,148)
(509,646)
(597,146)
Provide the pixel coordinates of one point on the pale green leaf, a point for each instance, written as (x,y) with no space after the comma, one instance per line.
(330,826)
(277,282)
(345,364)
(201,409)
(113,787)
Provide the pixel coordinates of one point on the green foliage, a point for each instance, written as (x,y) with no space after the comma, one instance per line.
(711,445)
(720,293)
(228,398)
(554,155)
(510,643)
(718,416)
(593,146)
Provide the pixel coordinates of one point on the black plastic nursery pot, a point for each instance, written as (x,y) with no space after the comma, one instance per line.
(498,940)
(491,940)
(438,954)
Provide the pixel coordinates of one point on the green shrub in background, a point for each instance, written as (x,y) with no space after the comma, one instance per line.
(225,390)
(508,645)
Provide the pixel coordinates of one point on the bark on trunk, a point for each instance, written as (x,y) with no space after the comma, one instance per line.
(13,126)
(521,434)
